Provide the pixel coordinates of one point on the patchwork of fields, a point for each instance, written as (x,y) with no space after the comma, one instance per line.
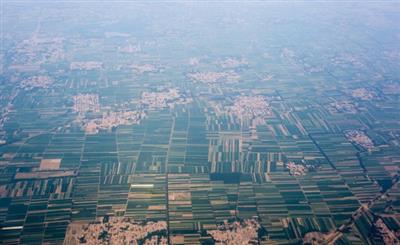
(199,123)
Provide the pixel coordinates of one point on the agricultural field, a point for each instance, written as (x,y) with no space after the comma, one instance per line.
(199,122)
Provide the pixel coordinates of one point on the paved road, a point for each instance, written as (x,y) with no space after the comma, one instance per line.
(332,237)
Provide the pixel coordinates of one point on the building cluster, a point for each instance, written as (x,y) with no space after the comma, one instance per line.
(314,238)
(296,169)
(267,77)
(391,88)
(388,236)
(37,50)
(251,107)
(119,230)
(130,48)
(40,81)
(145,68)
(88,65)
(360,138)
(3,119)
(194,61)
(163,99)
(4,114)
(86,103)
(233,63)
(346,59)
(237,232)
(109,119)
(363,94)
(112,119)
(344,106)
(288,53)
(215,77)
